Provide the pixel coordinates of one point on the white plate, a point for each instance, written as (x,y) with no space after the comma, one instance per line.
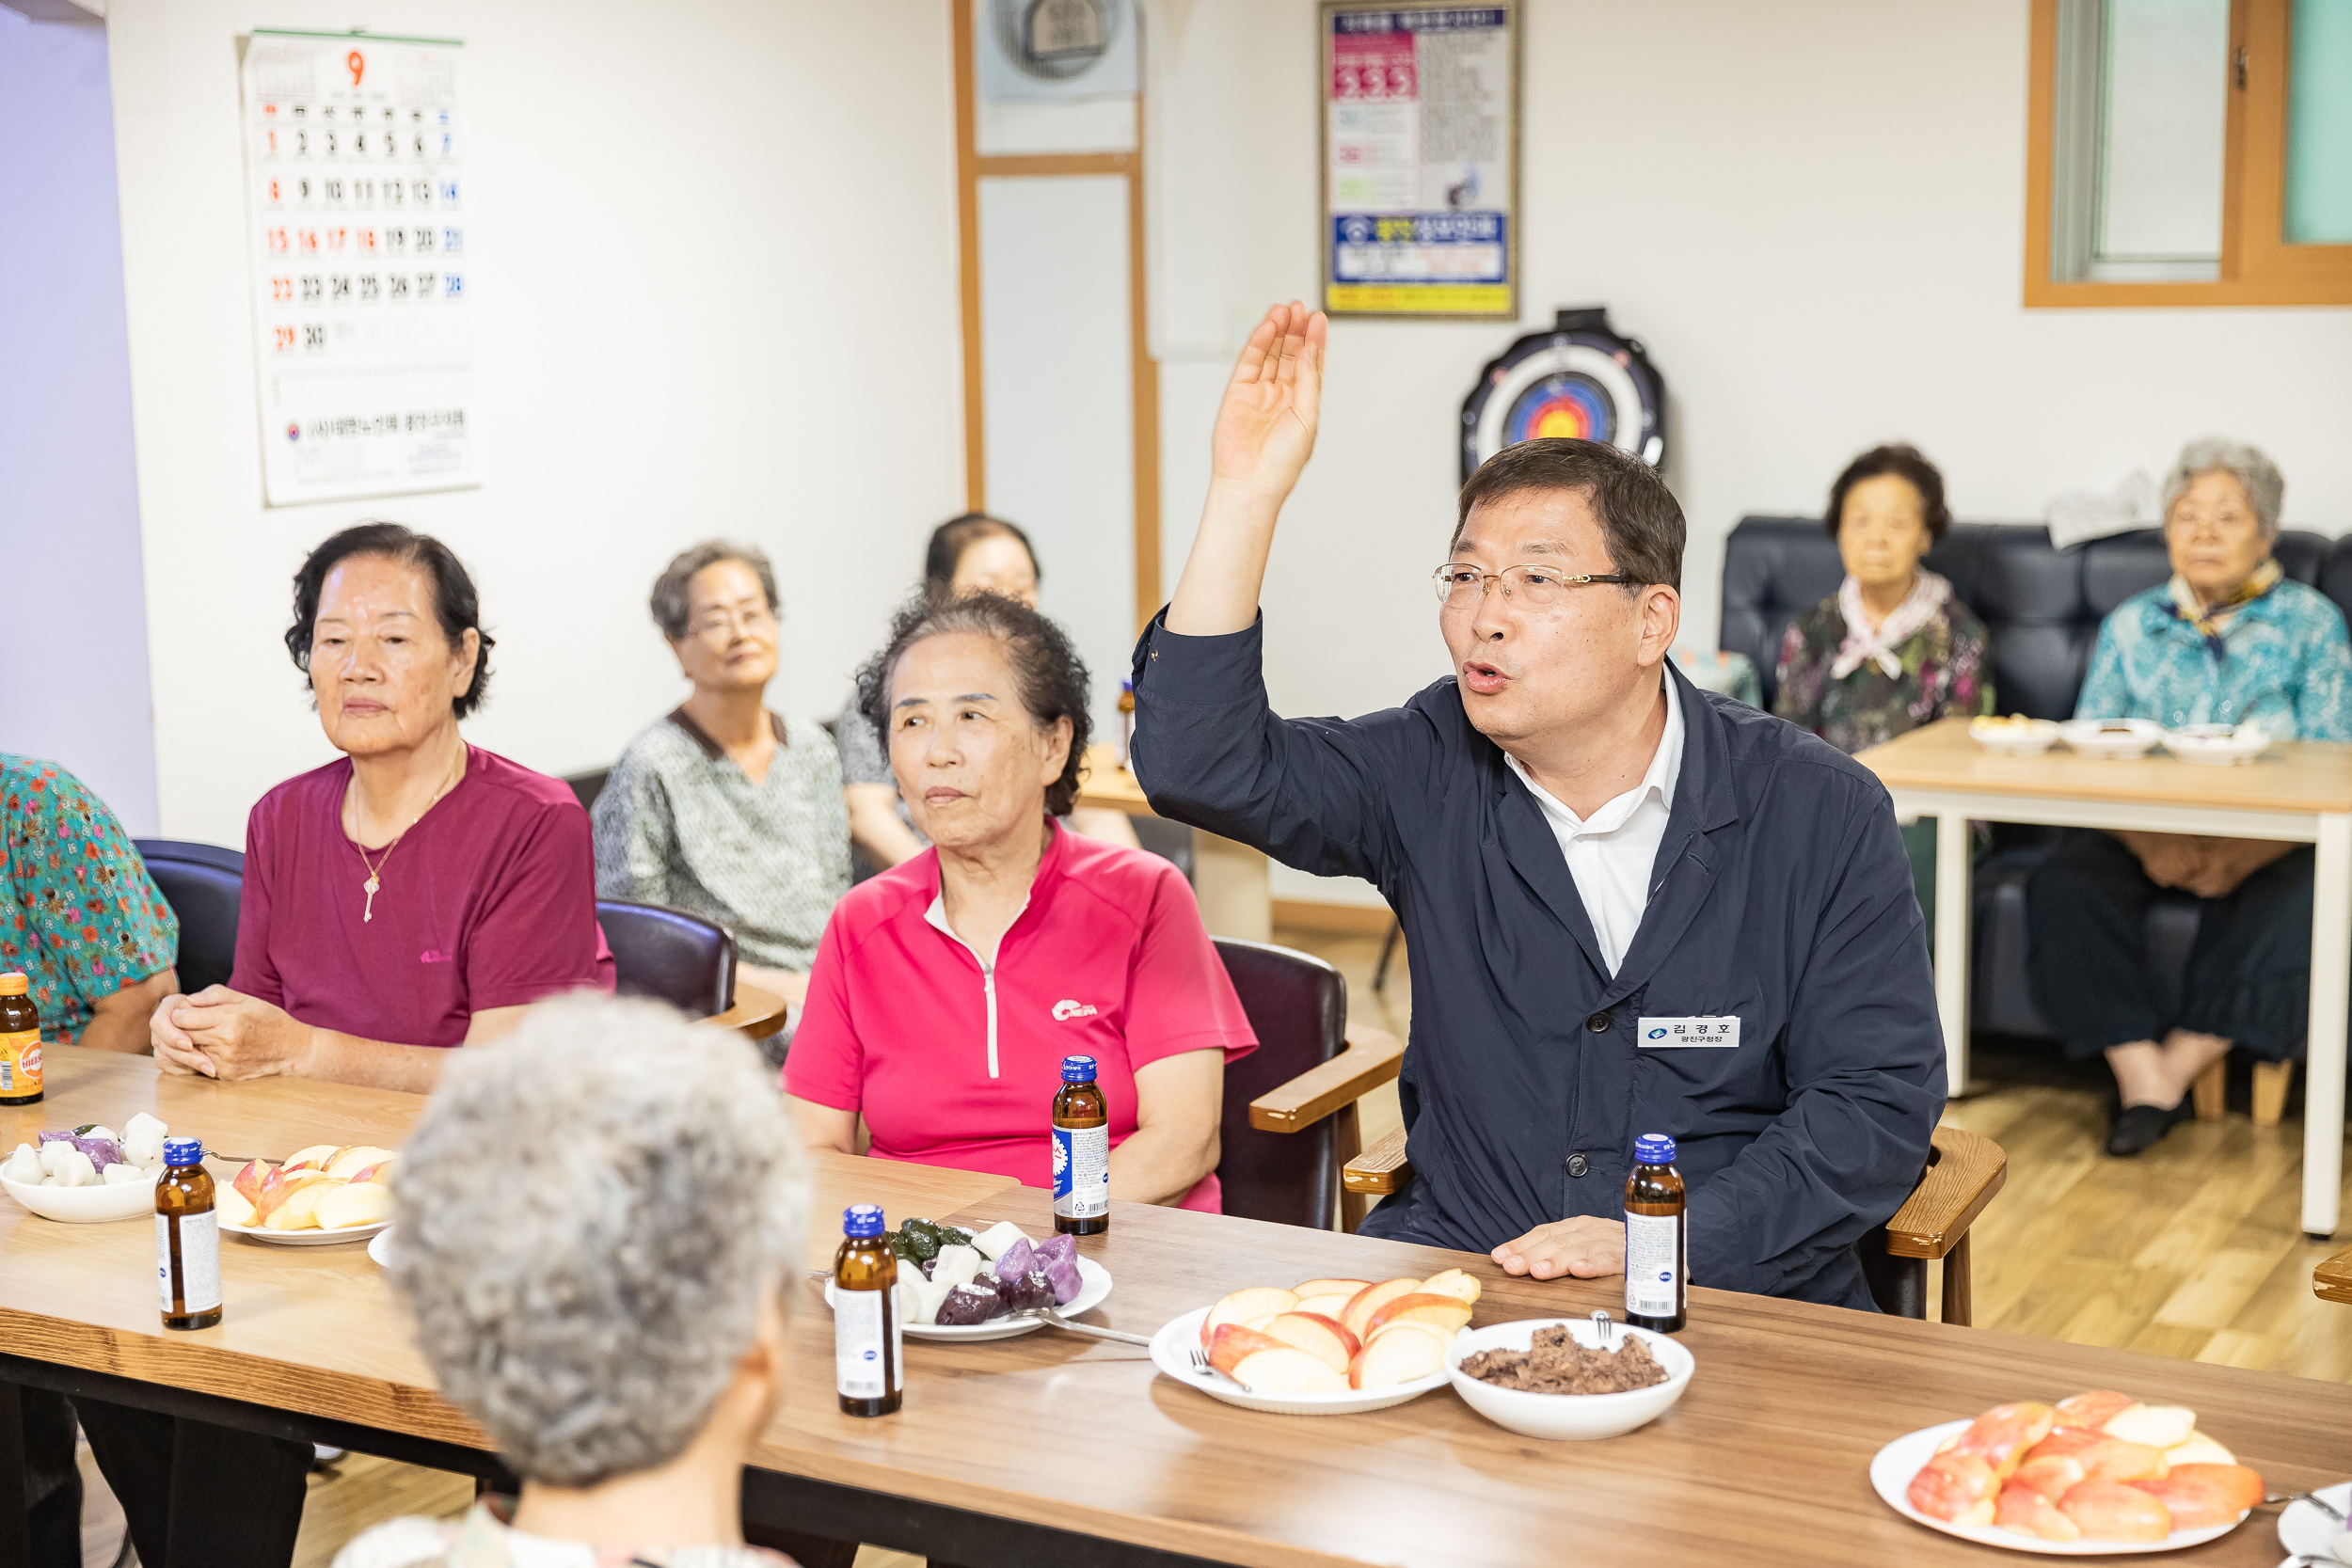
(2305,1530)
(380,1249)
(1094,1288)
(312,1237)
(2111,737)
(2217,745)
(1892,1467)
(2029,739)
(91,1205)
(1171,1353)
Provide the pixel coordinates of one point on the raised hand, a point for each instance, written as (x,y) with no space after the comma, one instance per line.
(1266,426)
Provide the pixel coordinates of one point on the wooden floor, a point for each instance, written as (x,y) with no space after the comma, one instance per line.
(2193,1250)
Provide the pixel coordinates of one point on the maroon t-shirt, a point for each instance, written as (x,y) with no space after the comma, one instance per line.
(489,902)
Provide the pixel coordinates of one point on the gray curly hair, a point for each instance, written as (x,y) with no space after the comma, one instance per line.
(669,604)
(2265,489)
(588,1211)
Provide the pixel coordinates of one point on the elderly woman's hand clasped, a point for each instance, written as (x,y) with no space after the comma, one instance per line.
(223,1034)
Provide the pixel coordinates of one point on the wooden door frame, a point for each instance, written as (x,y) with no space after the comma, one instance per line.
(971,168)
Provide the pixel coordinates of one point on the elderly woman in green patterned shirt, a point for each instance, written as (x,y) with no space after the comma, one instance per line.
(722,808)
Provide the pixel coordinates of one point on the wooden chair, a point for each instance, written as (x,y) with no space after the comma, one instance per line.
(1290,1105)
(2272,1080)
(1965,1170)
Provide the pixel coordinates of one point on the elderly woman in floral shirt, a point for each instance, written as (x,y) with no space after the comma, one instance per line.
(2229,640)
(1892,649)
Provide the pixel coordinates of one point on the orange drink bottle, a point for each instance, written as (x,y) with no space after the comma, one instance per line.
(20,1041)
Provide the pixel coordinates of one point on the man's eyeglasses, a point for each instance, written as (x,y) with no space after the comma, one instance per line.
(1461,586)
(714,623)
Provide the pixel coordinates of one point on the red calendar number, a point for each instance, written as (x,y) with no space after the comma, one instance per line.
(335,238)
(367,241)
(277,240)
(272,191)
(281,291)
(284,337)
(355,62)
(309,238)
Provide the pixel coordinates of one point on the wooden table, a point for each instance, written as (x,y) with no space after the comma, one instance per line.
(2332,1279)
(1053,1448)
(1229,880)
(2298,791)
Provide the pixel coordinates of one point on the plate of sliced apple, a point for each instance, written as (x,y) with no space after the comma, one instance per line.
(1324,1347)
(322,1196)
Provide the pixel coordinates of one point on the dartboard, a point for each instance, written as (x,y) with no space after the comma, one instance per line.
(1579,379)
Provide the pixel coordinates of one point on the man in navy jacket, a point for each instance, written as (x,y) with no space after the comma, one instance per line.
(1629,906)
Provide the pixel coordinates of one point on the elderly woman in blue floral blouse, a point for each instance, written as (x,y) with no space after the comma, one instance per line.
(2227,640)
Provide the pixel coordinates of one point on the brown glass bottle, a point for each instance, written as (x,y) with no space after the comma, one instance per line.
(1082,1151)
(1657,1238)
(20,1041)
(867,1368)
(187,1238)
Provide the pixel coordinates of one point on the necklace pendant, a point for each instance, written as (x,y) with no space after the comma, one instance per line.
(368,913)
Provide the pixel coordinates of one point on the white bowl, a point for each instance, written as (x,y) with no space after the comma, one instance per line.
(91,1205)
(2029,739)
(2112,738)
(1576,1417)
(1172,1349)
(2217,745)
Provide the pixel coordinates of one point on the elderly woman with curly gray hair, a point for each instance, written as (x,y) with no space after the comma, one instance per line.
(596,1223)
(2229,640)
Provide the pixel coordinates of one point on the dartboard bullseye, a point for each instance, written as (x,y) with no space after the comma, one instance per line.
(1579,379)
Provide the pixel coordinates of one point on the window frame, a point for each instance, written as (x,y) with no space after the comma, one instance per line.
(2258,266)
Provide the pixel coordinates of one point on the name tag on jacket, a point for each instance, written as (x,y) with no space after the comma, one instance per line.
(1693,1034)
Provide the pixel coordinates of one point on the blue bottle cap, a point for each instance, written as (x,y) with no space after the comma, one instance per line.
(862,1220)
(1653,1148)
(183,1151)
(1077,1069)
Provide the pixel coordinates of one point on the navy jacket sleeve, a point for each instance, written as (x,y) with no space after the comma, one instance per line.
(1329,795)
(1864,1062)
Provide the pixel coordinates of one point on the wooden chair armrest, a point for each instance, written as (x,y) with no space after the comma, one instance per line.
(1381,1169)
(1372,1057)
(756,1014)
(2332,1281)
(1966,1170)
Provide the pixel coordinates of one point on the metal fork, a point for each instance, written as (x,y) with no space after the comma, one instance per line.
(1049,1315)
(2312,1498)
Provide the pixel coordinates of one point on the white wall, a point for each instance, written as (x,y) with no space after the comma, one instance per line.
(1812,212)
(73,659)
(715,251)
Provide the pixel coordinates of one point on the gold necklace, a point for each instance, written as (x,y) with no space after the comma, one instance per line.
(376,868)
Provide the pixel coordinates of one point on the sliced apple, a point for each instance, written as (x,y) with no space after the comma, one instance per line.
(1328,1288)
(230,1205)
(1394,1358)
(298,1209)
(355,1203)
(1448,1312)
(1330,1306)
(1232,1343)
(280,1190)
(2198,1449)
(2021,1508)
(2109,1511)
(251,1180)
(2159,1426)
(1415,1325)
(381,1174)
(1258,1301)
(1364,1302)
(348,1163)
(2094,1408)
(316,1157)
(1317,1335)
(1453,1282)
(1287,1371)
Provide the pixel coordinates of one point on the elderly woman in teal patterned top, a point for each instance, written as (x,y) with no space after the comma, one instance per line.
(2227,640)
(78,912)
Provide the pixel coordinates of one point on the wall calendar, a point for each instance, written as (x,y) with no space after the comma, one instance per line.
(357,216)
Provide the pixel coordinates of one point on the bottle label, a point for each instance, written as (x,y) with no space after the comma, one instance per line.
(20,1062)
(1082,1172)
(1653,1264)
(199,1261)
(864,1359)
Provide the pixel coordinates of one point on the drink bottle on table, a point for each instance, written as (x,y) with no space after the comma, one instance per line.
(1657,1238)
(187,1238)
(20,1041)
(867,1371)
(1082,1151)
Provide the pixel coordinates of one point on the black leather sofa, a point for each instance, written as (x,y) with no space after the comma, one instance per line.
(2042,607)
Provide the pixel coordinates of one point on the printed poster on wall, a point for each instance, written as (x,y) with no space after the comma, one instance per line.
(1420,145)
(356,215)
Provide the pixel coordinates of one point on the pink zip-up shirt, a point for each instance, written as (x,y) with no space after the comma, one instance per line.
(953,1063)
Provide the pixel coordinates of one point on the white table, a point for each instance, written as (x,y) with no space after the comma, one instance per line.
(2299,792)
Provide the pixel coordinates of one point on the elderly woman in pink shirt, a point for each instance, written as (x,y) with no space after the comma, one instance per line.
(416,893)
(947,989)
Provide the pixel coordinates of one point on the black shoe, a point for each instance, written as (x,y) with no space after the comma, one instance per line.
(2134,1127)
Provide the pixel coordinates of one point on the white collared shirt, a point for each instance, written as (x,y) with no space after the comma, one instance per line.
(1613,854)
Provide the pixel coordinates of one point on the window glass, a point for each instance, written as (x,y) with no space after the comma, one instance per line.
(2319,123)
(2163,108)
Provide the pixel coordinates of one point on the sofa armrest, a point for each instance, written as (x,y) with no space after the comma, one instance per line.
(1372,1057)
(1964,1171)
(1379,1170)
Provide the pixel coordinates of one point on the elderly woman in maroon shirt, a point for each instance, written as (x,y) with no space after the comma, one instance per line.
(419,892)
